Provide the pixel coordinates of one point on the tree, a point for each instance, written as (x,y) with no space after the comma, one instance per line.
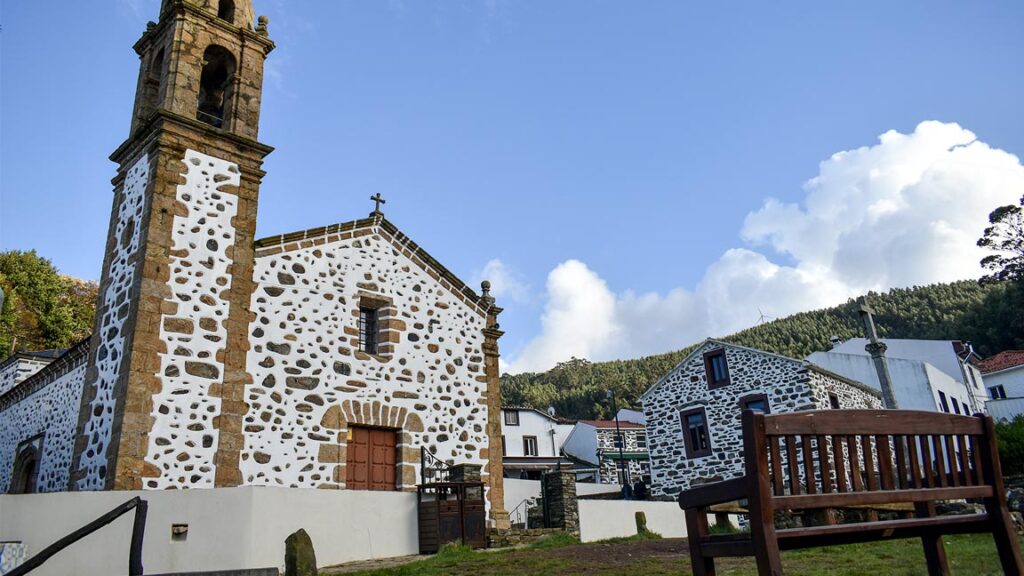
(1005,237)
(42,309)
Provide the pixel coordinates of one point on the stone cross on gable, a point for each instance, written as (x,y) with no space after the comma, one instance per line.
(378,200)
(877,349)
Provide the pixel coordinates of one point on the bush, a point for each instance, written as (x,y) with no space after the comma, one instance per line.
(1011,445)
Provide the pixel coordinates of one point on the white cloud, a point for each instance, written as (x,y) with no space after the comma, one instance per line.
(905,211)
(506,283)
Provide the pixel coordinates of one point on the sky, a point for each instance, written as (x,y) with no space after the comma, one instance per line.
(631,177)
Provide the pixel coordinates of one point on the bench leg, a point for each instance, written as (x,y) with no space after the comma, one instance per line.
(934,550)
(697,528)
(1005,536)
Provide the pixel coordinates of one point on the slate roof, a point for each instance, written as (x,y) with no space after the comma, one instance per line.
(1002,361)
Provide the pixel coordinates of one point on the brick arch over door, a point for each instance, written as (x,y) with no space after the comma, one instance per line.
(343,416)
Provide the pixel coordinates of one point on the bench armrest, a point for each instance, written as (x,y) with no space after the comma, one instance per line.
(715,493)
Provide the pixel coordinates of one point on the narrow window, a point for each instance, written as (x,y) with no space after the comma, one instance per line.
(368,329)
(997,392)
(757,402)
(956,406)
(226,10)
(504,449)
(695,433)
(641,441)
(511,418)
(529,445)
(833,401)
(943,403)
(717,369)
(215,86)
(618,441)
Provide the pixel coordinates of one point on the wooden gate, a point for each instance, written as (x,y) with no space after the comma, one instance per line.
(371,461)
(452,512)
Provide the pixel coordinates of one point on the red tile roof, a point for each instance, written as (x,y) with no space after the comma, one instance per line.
(1002,361)
(611,424)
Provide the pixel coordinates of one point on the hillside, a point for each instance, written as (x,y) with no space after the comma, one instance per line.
(982,314)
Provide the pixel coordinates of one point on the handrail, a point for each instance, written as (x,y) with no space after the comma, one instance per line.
(432,468)
(523,514)
(134,552)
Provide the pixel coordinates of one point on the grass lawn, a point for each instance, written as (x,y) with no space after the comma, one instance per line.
(973,555)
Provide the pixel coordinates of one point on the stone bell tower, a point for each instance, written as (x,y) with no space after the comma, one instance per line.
(163,402)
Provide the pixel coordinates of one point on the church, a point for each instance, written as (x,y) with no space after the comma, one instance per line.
(339,358)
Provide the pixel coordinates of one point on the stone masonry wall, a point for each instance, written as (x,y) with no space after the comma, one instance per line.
(850,396)
(50,411)
(782,380)
(311,381)
(183,440)
(607,449)
(110,340)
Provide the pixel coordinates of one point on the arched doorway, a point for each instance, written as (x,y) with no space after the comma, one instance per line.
(26,470)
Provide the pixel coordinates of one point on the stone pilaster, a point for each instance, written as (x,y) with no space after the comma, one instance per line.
(560,499)
(495,470)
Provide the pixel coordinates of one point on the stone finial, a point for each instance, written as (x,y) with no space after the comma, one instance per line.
(486,298)
(261,25)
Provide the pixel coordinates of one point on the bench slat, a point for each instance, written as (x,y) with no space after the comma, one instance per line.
(940,461)
(778,485)
(851,442)
(823,465)
(840,461)
(812,485)
(869,465)
(965,460)
(851,499)
(926,462)
(884,461)
(901,462)
(791,458)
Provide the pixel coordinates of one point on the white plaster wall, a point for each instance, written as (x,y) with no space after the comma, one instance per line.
(116,306)
(603,519)
(1007,409)
(1012,380)
(304,359)
(183,440)
(533,424)
(582,443)
(17,370)
(229,528)
(52,410)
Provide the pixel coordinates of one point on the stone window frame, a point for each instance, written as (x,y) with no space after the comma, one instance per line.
(692,453)
(514,420)
(709,371)
(526,446)
(833,401)
(745,401)
(388,330)
(33,445)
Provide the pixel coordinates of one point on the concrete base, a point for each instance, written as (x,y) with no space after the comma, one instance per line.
(228,529)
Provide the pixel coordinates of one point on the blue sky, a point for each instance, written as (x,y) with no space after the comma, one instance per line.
(609,162)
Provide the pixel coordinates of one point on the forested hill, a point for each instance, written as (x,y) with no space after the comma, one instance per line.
(982,314)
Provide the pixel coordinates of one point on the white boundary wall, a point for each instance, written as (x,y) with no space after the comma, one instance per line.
(229,528)
(603,519)
(517,490)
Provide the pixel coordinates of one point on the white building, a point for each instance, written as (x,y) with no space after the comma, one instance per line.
(531,442)
(1004,380)
(931,375)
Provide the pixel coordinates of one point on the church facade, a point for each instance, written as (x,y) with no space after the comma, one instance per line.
(332,358)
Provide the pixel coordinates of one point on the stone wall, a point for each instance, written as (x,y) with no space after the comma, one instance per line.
(44,410)
(114,313)
(851,395)
(788,384)
(607,450)
(427,381)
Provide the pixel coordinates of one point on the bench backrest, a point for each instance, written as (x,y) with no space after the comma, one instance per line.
(836,458)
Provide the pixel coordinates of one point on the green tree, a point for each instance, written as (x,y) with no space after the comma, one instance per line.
(42,309)
(1005,237)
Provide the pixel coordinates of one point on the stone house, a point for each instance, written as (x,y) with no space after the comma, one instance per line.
(693,412)
(331,358)
(596,442)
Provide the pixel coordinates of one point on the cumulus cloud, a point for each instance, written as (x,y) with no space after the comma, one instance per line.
(506,283)
(906,211)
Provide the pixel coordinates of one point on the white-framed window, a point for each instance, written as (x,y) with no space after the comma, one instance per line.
(511,417)
(997,392)
(641,440)
(529,445)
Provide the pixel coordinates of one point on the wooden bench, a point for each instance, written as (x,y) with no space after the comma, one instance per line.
(830,459)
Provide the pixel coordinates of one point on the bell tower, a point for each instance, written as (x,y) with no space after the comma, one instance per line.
(163,402)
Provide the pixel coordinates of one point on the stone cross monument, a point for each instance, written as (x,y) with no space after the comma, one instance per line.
(877,350)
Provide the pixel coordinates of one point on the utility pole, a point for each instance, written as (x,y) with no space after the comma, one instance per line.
(619,440)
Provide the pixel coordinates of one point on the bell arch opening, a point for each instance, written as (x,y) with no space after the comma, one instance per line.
(215,80)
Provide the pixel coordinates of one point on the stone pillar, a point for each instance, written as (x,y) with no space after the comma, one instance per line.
(495,470)
(560,499)
(465,473)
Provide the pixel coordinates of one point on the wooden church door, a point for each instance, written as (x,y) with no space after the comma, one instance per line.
(371,463)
